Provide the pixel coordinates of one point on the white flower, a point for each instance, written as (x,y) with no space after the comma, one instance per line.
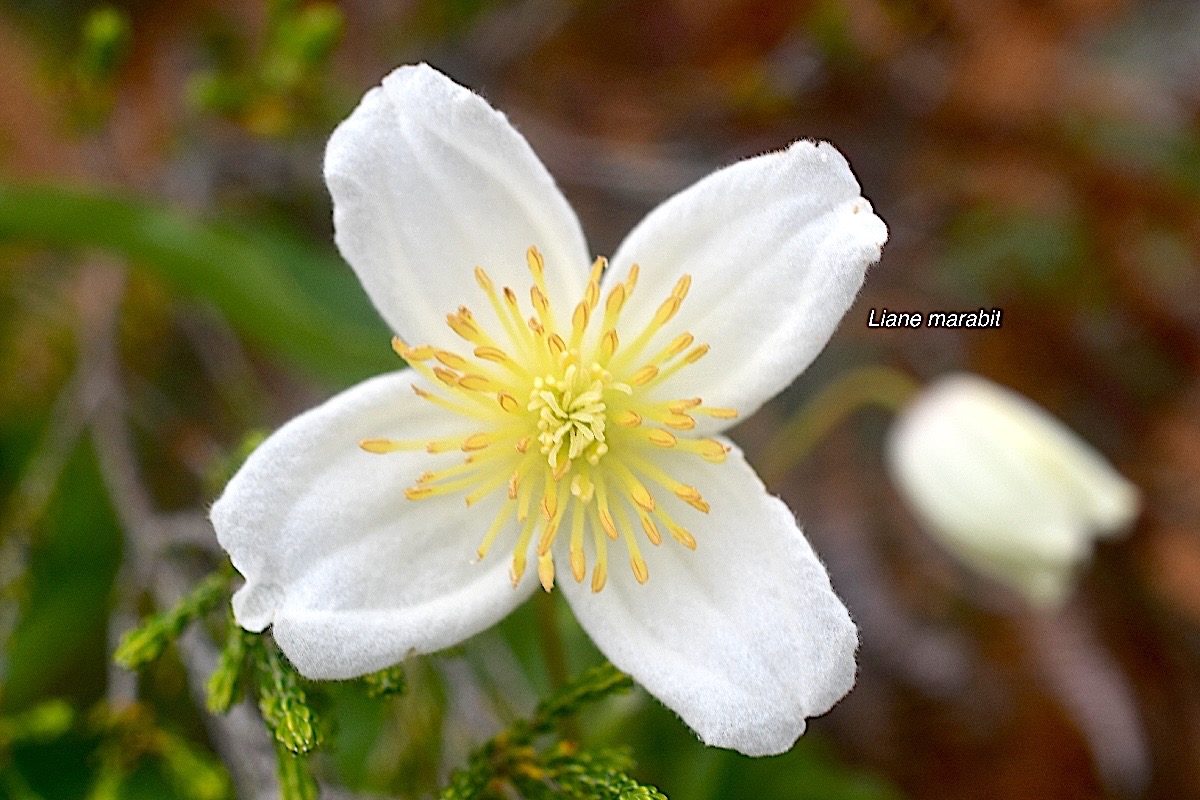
(1004,485)
(568,415)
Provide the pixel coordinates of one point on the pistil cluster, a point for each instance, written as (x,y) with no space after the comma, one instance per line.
(565,417)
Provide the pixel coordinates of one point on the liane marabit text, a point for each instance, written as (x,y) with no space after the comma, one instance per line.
(983,318)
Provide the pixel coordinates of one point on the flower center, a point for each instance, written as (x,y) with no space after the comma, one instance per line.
(571,416)
(592,405)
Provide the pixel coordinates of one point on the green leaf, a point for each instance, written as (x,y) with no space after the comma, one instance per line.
(284,703)
(225,685)
(274,288)
(147,642)
(592,685)
(42,723)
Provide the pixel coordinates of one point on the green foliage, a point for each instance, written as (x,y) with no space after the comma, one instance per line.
(295,779)
(386,682)
(511,758)
(67,583)
(131,737)
(276,289)
(104,43)
(42,723)
(994,252)
(283,701)
(146,643)
(596,683)
(226,686)
(106,34)
(274,87)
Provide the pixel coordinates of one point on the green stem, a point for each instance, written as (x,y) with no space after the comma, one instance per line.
(882,387)
(554,654)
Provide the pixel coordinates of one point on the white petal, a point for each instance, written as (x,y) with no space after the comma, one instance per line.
(428,182)
(777,247)
(352,575)
(1004,485)
(743,637)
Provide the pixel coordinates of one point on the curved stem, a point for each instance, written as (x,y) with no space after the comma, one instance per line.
(882,387)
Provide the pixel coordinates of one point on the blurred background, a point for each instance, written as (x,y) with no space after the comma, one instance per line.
(169,287)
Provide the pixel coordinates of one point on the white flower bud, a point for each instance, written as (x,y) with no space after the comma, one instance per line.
(1004,485)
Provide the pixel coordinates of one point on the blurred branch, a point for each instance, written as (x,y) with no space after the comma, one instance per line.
(152,551)
(1089,684)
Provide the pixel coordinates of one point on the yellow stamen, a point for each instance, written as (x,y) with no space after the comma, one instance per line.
(560,401)
(546,571)
(382,446)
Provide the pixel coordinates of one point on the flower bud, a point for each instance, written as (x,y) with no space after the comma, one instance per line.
(1005,486)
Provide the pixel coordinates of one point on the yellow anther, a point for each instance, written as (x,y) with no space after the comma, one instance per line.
(641,497)
(517,570)
(661,438)
(640,571)
(508,402)
(483,280)
(691,496)
(465,327)
(539,300)
(422,353)
(683,536)
(644,375)
(514,483)
(678,345)
(418,492)
(537,264)
(549,503)
(599,576)
(717,413)
(632,278)
(606,522)
(578,564)
(681,287)
(563,467)
(711,450)
(665,311)
(452,360)
(629,419)
(652,532)
(609,343)
(546,571)
(476,441)
(696,354)
(557,345)
(382,446)
(579,319)
(612,306)
(548,533)
(494,354)
(680,422)
(523,443)
(446,376)
(680,406)
(598,267)
(478,383)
